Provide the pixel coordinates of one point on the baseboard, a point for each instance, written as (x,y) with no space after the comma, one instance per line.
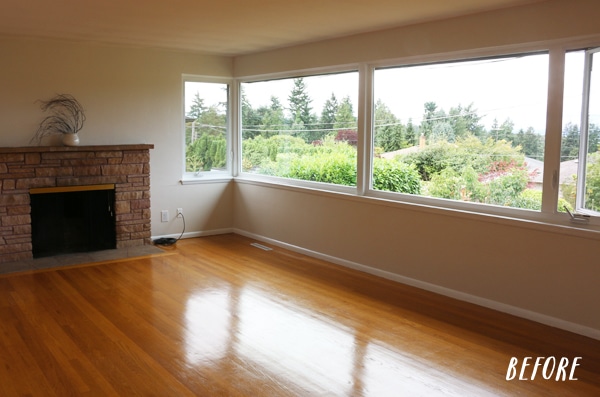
(195,234)
(490,304)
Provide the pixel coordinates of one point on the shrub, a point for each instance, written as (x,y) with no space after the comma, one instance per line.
(207,152)
(528,199)
(450,184)
(504,189)
(466,152)
(447,184)
(317,167)
(395,176)
(532,200)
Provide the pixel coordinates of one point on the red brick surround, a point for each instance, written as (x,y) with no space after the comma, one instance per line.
(24,168)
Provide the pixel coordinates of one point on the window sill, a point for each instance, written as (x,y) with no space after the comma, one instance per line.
(195,180)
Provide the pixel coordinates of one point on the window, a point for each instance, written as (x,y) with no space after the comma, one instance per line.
(580,150)
(206,128)
(302,128)
(470,131)
(588,184)
(464,134)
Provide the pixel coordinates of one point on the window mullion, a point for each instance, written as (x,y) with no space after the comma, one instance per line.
(365,132)
(235,142)
(556,78)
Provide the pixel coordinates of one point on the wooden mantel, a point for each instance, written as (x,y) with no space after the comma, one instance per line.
(94,148)
(32,167)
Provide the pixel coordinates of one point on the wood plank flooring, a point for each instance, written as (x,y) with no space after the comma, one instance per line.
(215,316)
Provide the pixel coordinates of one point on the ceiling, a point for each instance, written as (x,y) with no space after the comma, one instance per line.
(223,27)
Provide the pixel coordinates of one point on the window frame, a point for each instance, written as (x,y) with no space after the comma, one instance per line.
(584,135)
(209,176)
(463,206)
(547,216)
(322,186)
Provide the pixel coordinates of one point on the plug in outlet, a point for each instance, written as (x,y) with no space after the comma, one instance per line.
(164,216)
(179,212)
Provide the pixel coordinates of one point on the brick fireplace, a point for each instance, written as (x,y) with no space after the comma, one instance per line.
(26,168)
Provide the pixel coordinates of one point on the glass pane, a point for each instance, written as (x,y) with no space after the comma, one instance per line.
(205,127)
(592,170)
(467,131)
(301,128)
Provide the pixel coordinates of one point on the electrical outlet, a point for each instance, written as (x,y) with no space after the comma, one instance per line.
(179,211)
(164,216)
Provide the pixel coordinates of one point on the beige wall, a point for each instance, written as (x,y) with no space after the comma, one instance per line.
(130,95)
(133,95)
(548,276)
(541,273)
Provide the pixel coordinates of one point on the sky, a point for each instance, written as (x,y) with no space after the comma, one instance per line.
(514,88)
(320,89)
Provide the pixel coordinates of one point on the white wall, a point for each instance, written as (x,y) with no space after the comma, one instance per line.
(130,95)
(543,273)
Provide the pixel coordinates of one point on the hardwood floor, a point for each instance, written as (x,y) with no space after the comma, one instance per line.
(215,316)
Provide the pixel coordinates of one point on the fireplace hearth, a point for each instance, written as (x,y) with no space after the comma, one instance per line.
(25,170)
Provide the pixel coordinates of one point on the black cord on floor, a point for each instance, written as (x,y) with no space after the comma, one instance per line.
(170,240)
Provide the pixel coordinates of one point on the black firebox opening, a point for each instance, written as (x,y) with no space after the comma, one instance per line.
(74,221)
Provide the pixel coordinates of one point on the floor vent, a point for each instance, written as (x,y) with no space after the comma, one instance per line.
(262,247)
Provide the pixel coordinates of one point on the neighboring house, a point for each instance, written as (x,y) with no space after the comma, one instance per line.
(568,169)
(535,168)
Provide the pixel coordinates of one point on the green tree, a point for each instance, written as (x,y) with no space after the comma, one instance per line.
(328,113)
(273,119)
(206,153)
(197,107)
(411,134)
(251,119)
(531,144)
(389,132)
(569,149)
(503,131)
(300,108)
(592,182)
(344,118)
(429,118)
(593,138)
(436,125)
(442,130)
(570,141)
(213,121)
(465,121)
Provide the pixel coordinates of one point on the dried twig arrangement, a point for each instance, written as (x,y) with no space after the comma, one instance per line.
(67,117)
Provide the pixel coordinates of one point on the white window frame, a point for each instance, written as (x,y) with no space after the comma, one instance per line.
(584,134)
(547,217)
(464,207)
(238,171)
(209,176)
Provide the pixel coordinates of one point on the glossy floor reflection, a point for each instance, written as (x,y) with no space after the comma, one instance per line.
(218,317)
(298,349)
